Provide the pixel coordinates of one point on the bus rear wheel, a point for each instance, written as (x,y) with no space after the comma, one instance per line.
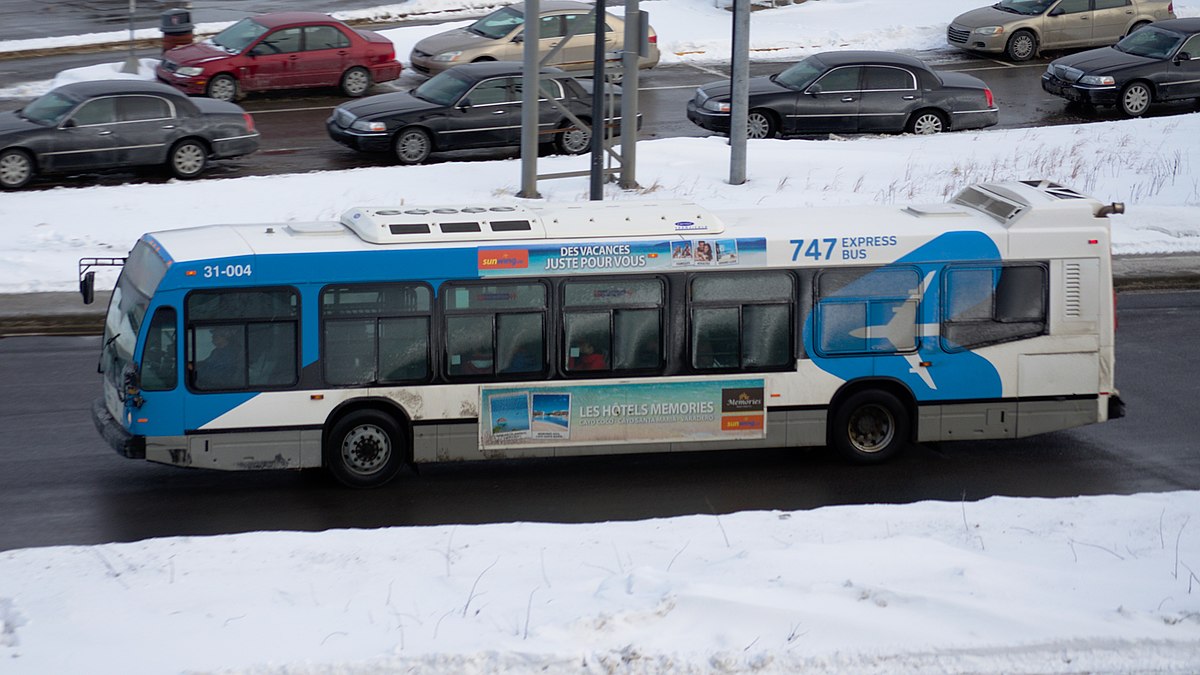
(365,449)
(870,427)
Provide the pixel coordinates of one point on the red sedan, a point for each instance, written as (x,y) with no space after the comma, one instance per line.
(285,50)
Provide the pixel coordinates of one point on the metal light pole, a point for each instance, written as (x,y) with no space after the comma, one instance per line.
(131,63)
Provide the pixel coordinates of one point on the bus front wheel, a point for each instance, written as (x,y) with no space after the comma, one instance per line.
(365,449)
(869,427)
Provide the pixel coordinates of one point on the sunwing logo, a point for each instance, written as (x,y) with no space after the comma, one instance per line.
(504,259)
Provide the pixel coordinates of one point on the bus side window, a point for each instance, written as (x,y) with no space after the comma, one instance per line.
(742,320)
(612,325)
(159,360)
(495,329)
(990,304)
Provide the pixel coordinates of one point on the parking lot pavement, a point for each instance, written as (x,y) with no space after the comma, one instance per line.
(63,313)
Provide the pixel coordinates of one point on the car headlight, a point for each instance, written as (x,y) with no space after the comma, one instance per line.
(447,56)
(189,71)
(368,125)
(990,30)
(1097,80)
(716,106)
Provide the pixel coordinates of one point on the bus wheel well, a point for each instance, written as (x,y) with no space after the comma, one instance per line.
(870,421)
(367,442)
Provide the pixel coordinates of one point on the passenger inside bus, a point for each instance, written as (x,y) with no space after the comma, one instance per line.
(224,367)
(585,357)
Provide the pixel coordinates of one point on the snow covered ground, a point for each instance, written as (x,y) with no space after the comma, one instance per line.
(1095,584)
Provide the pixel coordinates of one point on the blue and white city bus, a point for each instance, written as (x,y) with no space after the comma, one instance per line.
(429,334)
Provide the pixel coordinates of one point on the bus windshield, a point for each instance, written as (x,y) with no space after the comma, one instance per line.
(143,270)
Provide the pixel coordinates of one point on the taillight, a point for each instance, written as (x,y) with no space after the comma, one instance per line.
(653,39)
(988,93)
(249,121)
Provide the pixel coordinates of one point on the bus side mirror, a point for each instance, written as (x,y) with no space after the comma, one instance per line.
(87,288)
(132,383)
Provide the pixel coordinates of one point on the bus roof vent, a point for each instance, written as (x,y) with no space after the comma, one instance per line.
(420,224)
(427,224)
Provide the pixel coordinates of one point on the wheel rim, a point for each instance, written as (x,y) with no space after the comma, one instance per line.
(1136,99)
(927,124)
(1022,47)
(412,147)
(871,428)
(758,126)
(356,82)
(15,169)
(189,159)
(576,140)
(222,89)
(366,449)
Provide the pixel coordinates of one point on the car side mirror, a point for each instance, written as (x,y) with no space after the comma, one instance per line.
(813,90)
(1182,56)
(464,104)
(1057,11)
(519,37)
(67,124)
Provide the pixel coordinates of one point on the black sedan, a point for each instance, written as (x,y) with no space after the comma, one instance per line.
(475,105)
(107,124)
(852,92)
(1160,62)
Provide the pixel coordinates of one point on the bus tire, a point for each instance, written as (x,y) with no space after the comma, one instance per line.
(869,427)
(365,449)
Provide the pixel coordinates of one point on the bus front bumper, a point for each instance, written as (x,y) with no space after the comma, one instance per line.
(125,443)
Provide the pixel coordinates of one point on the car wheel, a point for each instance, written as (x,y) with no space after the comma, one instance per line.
(926,122)
(761,124)
(16,169)
(187,159)
(1135,99)
(365,449)
(572,140)
(1022,46)
(869,427)
(412,146)
(223,88)
(356,82)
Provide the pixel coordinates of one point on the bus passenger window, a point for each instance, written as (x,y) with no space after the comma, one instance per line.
(223,364)
(612,325)
(742,320)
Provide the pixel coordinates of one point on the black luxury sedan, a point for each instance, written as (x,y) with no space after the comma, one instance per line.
(111,124)
(475,105)
(852,92)
(1159,62)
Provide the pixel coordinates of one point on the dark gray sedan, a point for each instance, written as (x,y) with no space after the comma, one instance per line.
(108,124)
(852,92)
(475,105)
(1160,62)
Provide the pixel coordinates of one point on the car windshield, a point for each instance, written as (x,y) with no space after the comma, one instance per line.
(1027,7)
(49,109)
(498,24)
(1151,42)
(239,36)
(445,88)
(802,74)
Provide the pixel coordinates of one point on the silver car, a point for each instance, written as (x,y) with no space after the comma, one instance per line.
(499,36)
(1019,29)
